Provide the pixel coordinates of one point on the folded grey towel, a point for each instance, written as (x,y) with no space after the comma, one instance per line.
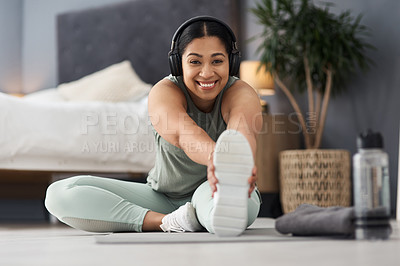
(311,220)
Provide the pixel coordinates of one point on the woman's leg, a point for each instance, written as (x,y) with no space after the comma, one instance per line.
(105,205)
(203,202)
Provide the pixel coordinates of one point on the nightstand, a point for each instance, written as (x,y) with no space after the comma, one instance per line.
(279,132)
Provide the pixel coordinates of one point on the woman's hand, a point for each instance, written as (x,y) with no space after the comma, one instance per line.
(252,180)
(212,179)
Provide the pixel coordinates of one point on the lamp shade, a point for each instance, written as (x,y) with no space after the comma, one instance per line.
(257,77)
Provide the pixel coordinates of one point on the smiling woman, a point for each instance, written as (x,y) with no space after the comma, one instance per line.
(205,67)
(205,123)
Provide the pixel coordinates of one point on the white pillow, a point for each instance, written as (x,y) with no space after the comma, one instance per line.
(118,82)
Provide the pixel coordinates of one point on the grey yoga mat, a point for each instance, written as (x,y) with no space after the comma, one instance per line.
(250,235)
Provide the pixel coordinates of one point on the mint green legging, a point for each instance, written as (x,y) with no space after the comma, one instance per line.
(98,204)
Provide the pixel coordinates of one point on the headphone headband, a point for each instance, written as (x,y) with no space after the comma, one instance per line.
(200,18)
(174,58)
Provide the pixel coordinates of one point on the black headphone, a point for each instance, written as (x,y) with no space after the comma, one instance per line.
(175,61)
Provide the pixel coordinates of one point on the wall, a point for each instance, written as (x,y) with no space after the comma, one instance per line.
(10,45)
(372,98)
(28,42)
(39,45)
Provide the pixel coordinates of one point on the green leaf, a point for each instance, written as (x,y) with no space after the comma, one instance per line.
(293,28)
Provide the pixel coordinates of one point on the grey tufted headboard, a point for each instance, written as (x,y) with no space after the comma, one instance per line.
(141,31)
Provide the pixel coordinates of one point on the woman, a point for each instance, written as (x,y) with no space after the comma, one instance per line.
(205,124)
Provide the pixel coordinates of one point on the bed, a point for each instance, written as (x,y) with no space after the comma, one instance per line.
(50,135)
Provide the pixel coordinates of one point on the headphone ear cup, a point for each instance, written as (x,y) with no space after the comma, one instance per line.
(234,63)
(175,64)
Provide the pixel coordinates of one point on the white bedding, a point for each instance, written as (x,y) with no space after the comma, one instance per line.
(44,132)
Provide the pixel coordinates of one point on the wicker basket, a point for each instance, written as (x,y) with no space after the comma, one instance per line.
(319,177)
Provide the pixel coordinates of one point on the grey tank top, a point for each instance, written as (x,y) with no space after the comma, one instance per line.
(174,173)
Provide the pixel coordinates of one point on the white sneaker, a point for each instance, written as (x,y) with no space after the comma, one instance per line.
(233,161)
(181,220)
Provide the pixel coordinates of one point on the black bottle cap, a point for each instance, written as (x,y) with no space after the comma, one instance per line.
(369,140)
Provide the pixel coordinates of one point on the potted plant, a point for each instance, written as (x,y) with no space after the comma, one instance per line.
(309,49)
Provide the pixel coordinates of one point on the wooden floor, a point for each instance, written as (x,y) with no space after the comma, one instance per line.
(46,244)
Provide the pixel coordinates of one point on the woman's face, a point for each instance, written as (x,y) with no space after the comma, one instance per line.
(205,65)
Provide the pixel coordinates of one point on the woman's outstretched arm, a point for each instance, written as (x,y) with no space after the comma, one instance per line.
(167,110)
(241,110)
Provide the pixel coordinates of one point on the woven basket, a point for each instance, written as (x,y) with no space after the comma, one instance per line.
(319,177)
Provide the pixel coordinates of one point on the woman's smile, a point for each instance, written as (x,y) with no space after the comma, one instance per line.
(207,85)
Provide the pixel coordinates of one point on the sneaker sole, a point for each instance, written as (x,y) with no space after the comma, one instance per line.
(233,161)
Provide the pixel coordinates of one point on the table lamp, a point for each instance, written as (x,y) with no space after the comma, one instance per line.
(257,77)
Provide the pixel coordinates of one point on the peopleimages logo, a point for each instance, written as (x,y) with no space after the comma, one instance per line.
(113,123)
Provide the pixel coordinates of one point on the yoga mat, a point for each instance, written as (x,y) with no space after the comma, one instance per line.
(250,235)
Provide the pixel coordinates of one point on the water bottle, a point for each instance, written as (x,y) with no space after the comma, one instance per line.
(371,188)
